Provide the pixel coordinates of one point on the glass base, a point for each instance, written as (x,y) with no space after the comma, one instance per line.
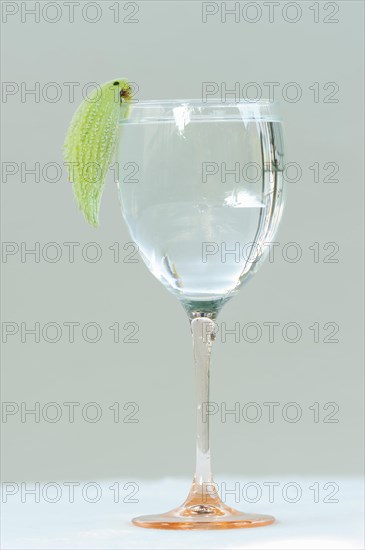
(203,511)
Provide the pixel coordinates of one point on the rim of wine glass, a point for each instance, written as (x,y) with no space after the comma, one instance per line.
(212,100)
(155,110)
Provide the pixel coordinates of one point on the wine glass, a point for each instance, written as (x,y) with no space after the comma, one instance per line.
(202,199)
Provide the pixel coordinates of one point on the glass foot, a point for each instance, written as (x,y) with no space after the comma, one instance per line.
(203,510)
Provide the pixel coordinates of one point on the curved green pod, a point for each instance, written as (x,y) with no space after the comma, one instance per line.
(90,143)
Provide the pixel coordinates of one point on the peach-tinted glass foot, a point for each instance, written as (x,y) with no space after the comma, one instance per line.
(203,510)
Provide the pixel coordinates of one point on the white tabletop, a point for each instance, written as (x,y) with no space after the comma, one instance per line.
(304,524)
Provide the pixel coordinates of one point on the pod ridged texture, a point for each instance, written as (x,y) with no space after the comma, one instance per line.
(90,143)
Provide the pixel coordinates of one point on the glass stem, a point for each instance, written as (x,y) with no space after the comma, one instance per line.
(203,333)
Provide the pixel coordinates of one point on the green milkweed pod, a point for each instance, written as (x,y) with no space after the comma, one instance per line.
(90,143)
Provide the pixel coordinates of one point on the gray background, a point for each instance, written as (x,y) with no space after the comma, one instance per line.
(169,53)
